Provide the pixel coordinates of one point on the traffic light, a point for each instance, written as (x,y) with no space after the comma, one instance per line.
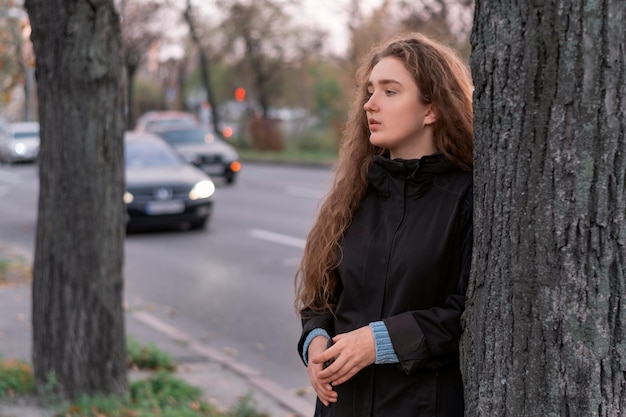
(240,94)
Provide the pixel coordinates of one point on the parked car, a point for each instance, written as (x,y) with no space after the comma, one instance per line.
(200,146)
(162,188)
(156,119)
(19,142)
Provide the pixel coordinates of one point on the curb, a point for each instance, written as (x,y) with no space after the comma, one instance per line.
(281,395)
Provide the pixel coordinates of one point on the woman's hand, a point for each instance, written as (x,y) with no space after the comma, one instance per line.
(350,353)
(324,390)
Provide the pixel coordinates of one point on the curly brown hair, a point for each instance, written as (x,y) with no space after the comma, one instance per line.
(444,81)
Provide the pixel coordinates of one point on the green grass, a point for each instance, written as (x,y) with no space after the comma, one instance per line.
(16,378)
(162,390)
(13,268)
(322,157)
(312,146)
(148,356)
(161,394)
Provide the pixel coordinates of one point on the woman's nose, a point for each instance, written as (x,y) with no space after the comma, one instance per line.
(369,104)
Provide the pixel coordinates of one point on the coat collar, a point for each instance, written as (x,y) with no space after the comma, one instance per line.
(419,173)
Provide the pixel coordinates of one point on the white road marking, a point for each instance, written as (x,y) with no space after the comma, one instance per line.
(278,238)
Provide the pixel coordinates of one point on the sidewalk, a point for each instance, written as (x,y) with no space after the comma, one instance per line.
(222,379)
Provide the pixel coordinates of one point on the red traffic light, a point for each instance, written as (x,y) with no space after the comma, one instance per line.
(240,94)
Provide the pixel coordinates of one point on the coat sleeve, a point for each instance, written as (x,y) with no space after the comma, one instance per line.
(430,338)
(314,320)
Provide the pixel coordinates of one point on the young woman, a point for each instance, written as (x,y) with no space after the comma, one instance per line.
(381,285)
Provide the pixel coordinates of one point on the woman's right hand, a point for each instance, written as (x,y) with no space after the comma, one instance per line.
(324,391)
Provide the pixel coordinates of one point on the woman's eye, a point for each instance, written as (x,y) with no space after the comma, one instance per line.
(390,92)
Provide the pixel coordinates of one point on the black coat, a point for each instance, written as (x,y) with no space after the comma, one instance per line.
(405,259)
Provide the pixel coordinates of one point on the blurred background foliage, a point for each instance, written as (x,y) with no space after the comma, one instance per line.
(294,85)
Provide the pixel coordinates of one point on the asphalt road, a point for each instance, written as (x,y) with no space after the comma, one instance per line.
(230,286)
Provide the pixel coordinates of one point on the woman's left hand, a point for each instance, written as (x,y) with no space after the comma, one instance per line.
(350,353)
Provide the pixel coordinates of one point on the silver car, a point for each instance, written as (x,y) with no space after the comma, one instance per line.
(19,142)
(204,149)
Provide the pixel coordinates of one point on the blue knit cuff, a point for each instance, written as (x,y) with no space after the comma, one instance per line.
(384,348)
(305,347)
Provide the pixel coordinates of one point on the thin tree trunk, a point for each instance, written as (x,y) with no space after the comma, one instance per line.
(131,116)
(181,81)
(78,323)
(545,328)
(204,70)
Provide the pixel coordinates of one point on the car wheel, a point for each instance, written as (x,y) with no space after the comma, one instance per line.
(199,224)
(230,177)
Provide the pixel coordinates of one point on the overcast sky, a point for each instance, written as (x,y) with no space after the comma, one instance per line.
(332,15)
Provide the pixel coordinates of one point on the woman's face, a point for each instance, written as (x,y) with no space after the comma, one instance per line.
(397,119)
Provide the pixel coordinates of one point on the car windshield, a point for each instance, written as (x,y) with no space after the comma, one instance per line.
(189,137)
(25,135)
(160,123)
(146,154)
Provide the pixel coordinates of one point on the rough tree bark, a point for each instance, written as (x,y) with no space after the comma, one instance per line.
(78,325)
(545,324)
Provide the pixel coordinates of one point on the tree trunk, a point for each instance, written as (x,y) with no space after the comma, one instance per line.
(205,74)
(78,323)
(131,115)
(545,329)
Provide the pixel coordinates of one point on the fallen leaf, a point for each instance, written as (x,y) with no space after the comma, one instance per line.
(229,351)
(301,392)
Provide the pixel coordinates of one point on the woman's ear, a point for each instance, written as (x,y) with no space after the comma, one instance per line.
(430,116)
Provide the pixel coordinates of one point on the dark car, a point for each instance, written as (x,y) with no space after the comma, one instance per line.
(162,188)
(203,148)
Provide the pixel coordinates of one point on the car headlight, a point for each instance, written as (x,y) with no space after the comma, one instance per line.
(128,197)
(203,189)
(20,148)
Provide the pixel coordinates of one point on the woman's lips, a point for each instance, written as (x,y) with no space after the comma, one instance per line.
(373,124)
